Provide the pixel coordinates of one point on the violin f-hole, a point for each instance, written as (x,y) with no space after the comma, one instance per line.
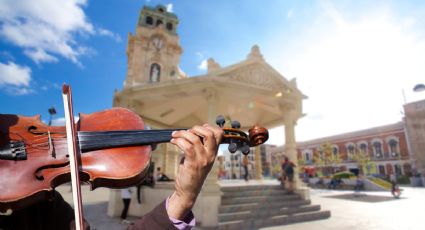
(40,171)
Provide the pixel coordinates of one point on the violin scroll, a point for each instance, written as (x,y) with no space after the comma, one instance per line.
(239,140)
(258,135)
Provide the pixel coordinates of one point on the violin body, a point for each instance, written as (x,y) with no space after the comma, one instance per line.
(44,161)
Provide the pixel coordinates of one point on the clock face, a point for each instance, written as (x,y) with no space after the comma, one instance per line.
(157,42)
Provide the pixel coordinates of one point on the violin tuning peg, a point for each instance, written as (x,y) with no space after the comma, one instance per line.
(245,149)
(236,124)
(220,120)
(233,147)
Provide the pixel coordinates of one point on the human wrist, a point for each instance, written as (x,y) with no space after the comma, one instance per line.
(179,205)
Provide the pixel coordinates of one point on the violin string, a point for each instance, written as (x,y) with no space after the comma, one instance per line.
(61,142)
(94,134)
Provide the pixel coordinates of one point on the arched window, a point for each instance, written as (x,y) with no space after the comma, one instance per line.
(335,150)
(169,26)
(377,148)
(308,156)
(363,148)
(159,22)
(155,73)
(350,149)
(149,20)
(393,146)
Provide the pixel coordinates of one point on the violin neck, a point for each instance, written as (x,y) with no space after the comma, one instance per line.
(90,141)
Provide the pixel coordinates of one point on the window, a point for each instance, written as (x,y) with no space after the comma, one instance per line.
(397,169)
(363,148)
(159,22)
(169,26)
(377,147)
(307,157)
(393,147)
(350,149)
(149,20)
(335,150)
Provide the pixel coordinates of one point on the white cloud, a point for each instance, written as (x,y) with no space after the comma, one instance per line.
(39,56)
(19,91)
(47,28)
(15,79)
(60,121)
(108,33)
(170,7)
(353,71)
(15,75)
(203,65)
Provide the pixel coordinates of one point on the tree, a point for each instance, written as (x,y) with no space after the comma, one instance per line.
(363,160)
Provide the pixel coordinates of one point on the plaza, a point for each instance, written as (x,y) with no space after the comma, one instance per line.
(349,210)
(317,87)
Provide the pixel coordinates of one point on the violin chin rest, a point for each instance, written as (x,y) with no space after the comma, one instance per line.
(7,213)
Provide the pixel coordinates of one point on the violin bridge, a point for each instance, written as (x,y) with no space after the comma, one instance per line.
(52,151)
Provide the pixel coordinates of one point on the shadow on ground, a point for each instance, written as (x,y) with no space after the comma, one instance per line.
(363,197)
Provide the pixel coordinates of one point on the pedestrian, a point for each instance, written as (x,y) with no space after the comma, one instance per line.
(160,176)
(245,163)
(126,199)
(288,174)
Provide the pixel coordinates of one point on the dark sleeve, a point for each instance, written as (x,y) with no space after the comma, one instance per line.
(51,214)
(157,219)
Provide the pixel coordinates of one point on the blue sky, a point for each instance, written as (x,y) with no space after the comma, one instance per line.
(353,59)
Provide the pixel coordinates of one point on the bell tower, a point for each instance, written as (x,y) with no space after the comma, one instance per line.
(153,53)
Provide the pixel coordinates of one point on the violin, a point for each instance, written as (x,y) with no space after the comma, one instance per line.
(114,152)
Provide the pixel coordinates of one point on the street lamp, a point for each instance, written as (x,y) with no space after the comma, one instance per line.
(419,88)
(52,111)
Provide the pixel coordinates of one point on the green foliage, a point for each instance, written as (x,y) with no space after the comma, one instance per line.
(403,180)
(344,174)
(324,157)
(363,160)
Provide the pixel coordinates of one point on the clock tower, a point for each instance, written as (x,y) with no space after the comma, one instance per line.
(153,53)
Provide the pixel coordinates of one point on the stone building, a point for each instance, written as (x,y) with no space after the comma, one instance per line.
(415,127)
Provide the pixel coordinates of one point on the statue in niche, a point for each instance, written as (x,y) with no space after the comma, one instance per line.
(155,72)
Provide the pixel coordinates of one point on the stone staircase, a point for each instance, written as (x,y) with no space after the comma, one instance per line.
(257,206)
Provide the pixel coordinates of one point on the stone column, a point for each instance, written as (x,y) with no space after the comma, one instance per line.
(291,147)
(291,152)
(258,166)
(210,197)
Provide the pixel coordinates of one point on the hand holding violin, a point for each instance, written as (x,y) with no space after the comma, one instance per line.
(200,146)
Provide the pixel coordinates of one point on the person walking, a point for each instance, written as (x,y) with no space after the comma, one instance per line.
(245,163)
(288,174)
(126,199)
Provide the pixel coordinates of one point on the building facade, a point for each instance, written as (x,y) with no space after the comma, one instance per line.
(380,151)
(415,127)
